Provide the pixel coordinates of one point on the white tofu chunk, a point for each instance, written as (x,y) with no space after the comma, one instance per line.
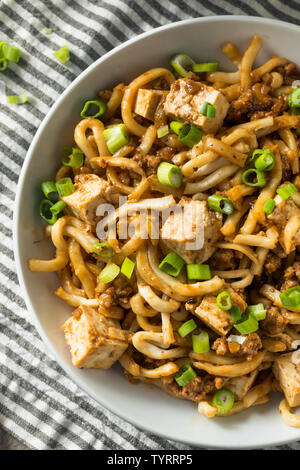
(90,192)
(147,102)
(192,231)
(288,375)
(241,385)
(185,101)
(218,320)
(87,335)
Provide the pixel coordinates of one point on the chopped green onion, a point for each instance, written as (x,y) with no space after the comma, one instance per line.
(100,105)
(285,192)
(220,204)
(45,212)
(205,67)
(11,53)
(201,342)
(257,311)
(291,297)
(223,400)
(72,157)
(203,109)
(182,64)
(127,267)
(18,99)
(266,161)
(103,249)
(109,273)
(65,186)
(190,135)
(186,328)
(269,206)
(235,314)
(295,110)
(211,111)
(176,126)
(50,190)
(247,324)
(294,98)
(169,174)
(3,64)
(172,264)
(63,54)
(58,207)
(116,137)
(185,374)
(254,178)
(224,300)
(200,272)
(162,131)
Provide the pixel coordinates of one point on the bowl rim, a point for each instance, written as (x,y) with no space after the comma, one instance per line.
(17,208)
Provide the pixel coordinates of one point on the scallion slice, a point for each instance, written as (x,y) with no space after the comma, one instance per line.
(286,191)
(200,342)
(257,311)
(45,212)
(186,328)
(205,67)
(182,64)
(103,249)
(291,297)
(172,264)
(50,190)
(162,131)
(116,137)
(254,178)
(63,54)
(269,206)
(211,111)
(223,400)
(100,105)
(235,314)
(224,300)
(220,204)
(294,98)
(3,64)
(58,207)
(109,273)
(127,267)
(175,126)
(266,161)
(10,52)
(72,157)
(203,109)
(17,99)
(199,272)
(169,175)
(190,135)
(185,374)
(247,324)
(65,186)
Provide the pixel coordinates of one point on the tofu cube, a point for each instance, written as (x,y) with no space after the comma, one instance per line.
(241,385)
(288,375)
(191,231)
(87,335)
(185,101)
(90,192)
(147,102)
(218,320)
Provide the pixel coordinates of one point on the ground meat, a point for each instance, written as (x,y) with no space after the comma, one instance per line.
(150,163)
(274,322)
(220,346)
(272,263)
(250,346)
(252,100)
(286,167)
(197,389)
(108,299)
(117,295)
(223,260)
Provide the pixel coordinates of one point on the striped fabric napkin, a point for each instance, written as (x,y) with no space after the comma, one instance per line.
(39,405)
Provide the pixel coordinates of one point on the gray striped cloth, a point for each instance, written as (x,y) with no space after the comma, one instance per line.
(39,405)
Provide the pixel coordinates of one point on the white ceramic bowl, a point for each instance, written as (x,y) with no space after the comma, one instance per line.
(146,407)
